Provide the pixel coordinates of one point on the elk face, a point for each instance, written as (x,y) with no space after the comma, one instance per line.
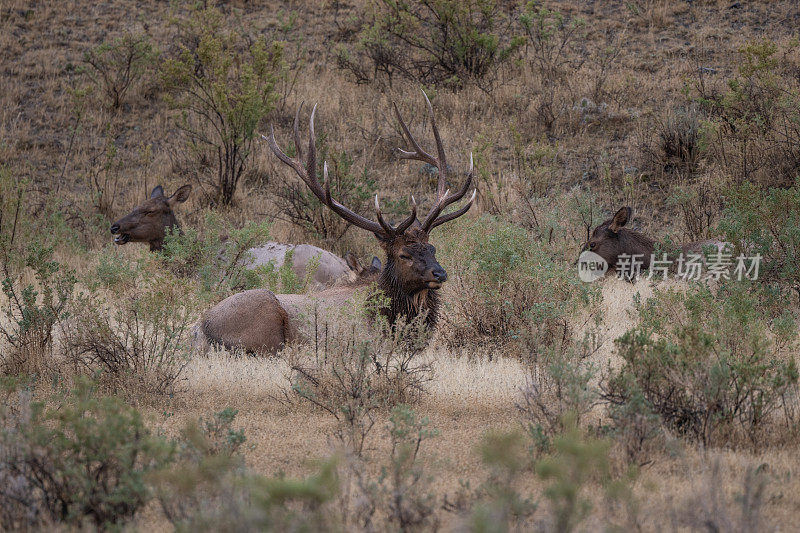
(363,273)
(414,262)
(148,222)
(611,239)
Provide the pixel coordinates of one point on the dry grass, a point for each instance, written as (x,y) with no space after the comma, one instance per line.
(57,140)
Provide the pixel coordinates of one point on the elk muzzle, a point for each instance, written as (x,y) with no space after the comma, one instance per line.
(119,238)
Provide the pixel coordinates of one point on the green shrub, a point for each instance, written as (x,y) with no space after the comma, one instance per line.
(577,461)
(500,506)
(753,133)
(137,342)
(215,256)
(208,467)
(116,65)
(716,366)
(507,288)
(31,310)
(402,490)
(560,383)
(432,42)
(76,459)
(210,488)
(767,223)
(223,85)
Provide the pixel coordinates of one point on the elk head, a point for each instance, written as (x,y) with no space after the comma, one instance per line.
(611,239)
(149,221)
(362,272)
(411,274)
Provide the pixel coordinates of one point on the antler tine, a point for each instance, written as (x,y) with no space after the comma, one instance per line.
(326,184)
(294,163)
(439,150)
(418,153)
(454,214)
(385,225)
(431,220)
(309,176)
(311,162)
(404,225)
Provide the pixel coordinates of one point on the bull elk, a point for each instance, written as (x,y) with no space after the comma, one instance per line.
(149,221)
(612,239)
(259,321)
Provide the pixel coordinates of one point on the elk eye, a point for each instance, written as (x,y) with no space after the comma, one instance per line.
(405,257)
(592,245)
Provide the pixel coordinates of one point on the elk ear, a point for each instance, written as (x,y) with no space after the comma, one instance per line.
(353,262)
(620,219)
(158,192)
(376,264)
(180,195)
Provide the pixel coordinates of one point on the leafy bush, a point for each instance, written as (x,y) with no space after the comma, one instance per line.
(577,461)
(754,127)
(712,364)
(223,84)
(78,459)
(559,384)
(500,505)
(138,341)
(215,256)
(31,309)
(432,42)
(402,489)
(208,465)
(210,488)
(116,65)
(508,288)
(766,222)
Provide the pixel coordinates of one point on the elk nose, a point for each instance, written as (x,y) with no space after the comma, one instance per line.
(114,228)
(440,274)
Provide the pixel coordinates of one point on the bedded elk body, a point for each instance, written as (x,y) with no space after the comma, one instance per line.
(612,239)
(411,276)
(149,222)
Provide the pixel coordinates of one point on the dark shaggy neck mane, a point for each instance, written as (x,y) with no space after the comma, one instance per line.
(405,305)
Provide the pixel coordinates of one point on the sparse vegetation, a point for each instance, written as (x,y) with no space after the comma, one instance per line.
(75,459)
(222,83)
(538,402)
(117,65)
(432,42)
(137,343)
(512,290)
(714,365)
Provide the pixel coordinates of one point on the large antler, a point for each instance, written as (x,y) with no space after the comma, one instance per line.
(308,174)
(443,198)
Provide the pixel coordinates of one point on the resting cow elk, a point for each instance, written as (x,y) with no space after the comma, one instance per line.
(612,239)
(149,222)
(261,322)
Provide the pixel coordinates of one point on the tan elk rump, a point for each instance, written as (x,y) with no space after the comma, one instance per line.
(411,276)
